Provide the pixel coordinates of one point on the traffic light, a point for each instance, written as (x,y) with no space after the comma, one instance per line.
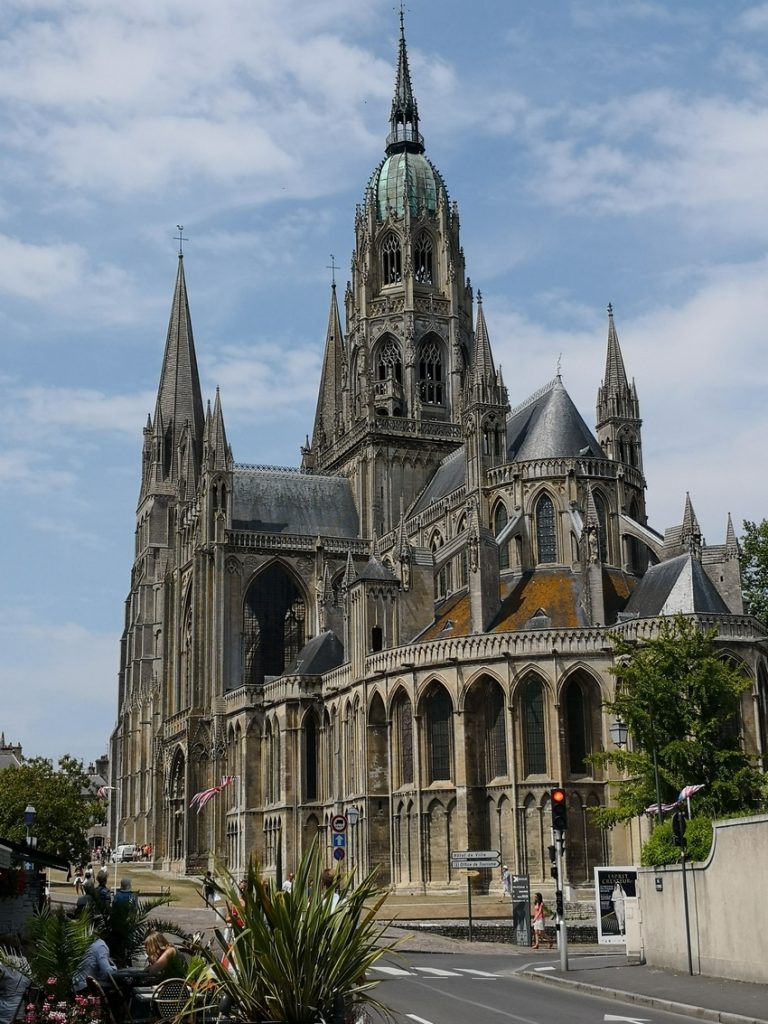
(559,810)
(559,906)
(679,825)
(553,860)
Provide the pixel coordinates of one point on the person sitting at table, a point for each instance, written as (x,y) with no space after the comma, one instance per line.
(165,960)
(97,963)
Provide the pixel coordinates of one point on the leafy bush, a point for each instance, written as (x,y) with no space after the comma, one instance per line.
(660,849)
(125,924)
(57,945)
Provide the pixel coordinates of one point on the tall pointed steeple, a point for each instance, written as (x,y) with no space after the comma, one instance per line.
(404,119)
(330,403)
(485,409)
(483,369)
(179,399)
(691,531)
(217,449)
(617,416)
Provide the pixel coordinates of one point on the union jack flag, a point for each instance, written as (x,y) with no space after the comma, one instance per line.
(654,808)
(199,800)
(103,792)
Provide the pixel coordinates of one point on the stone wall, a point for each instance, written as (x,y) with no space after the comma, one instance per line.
(727,903)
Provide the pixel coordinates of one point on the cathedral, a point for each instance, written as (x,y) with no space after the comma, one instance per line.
(414,626)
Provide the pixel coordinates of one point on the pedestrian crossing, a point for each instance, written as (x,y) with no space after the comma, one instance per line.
(432,972)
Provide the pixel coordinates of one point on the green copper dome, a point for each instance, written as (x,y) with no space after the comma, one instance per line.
(406,178)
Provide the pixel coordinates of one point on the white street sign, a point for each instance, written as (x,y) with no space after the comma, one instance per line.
(339,823)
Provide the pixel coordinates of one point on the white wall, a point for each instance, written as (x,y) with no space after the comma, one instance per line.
(727,903)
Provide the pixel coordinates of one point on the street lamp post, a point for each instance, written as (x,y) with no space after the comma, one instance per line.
(29,820)
(619,735)
(353,814)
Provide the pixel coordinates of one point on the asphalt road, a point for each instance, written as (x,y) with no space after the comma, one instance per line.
(466,989)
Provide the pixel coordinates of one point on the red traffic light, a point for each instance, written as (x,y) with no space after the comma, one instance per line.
(559,809)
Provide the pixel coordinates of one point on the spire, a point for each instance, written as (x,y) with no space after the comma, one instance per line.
(350,573)
(731,543)
(483,370)
(178,397)
(690,533)
(615,374)
(404,119)
(217,437)
(328,417)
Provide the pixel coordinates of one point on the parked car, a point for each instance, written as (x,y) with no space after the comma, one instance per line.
(127,851)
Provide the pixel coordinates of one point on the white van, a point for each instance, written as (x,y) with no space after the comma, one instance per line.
(124,852)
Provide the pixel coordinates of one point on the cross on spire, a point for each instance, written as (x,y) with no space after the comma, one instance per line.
(333,267)
(180,238)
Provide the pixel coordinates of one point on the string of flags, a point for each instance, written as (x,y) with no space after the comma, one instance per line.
(684,795)
(199,800)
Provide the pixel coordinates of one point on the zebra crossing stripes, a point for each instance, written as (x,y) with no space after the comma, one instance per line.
(434,972)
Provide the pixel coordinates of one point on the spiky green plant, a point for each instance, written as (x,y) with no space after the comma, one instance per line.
(56,947)
(293,956)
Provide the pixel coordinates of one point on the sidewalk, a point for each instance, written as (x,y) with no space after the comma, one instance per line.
(594,971)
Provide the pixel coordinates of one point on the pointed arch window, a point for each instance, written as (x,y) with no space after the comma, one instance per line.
(500,520)
(545,530)
(439,734)
(431,373)
(602,520)
(311,758)
(534,744)
(495,734)
(441,578)
(422,259)
(391,260)
(404,733)
(273,625)
(390,362)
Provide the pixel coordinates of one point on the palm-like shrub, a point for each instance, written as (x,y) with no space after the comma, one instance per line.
(56,947)
(292,956)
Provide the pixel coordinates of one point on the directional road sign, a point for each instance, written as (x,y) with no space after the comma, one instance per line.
(339,840)
(475,859)
(339,823)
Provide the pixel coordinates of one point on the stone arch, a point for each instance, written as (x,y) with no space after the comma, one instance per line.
(391,254)
(275,609)
(486,754)
(423,258)
(545,525)
(436,840)
(602,507)
(403,738)
(581,708)
(177,805)
(531,838)
(499,519)
(310,757)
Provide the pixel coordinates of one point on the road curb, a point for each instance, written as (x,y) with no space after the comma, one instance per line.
(653,1002)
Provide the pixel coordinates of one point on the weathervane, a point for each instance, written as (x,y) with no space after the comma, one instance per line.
(333,267)
(180,238)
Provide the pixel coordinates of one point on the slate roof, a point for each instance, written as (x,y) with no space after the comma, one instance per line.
(677,585)
(323,653)
(375,569)
(548,425)
(285,501)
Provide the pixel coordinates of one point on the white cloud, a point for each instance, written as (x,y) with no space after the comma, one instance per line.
(83,409)
(26,471)
(754,19)
(659,150)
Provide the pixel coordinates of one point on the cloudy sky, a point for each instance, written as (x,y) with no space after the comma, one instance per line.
(600,150)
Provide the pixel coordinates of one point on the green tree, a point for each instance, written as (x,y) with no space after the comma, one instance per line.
(61,797)
(678,695)
(754,568)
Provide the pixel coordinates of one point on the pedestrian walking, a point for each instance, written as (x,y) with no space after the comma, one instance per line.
(539,918)
(209,888)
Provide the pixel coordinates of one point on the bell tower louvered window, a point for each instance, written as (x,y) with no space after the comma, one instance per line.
(422,259)
(431,373)
(391,260)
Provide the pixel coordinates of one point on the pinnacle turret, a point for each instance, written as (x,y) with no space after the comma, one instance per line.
(617,415)
(404,119)
(329,413)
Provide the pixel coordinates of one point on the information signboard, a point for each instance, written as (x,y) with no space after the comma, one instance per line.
(611,886)
(475,859)
(521,910)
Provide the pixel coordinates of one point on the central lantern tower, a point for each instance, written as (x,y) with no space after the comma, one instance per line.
(389,407)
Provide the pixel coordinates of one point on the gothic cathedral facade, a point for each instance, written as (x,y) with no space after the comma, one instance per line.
(415,623)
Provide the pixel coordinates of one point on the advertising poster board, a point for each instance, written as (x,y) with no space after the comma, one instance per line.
(612,884)
(521,910)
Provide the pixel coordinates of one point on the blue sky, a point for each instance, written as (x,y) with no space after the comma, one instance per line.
(600,150)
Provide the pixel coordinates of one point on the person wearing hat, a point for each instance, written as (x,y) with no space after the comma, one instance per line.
(125,893)
(506,883)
